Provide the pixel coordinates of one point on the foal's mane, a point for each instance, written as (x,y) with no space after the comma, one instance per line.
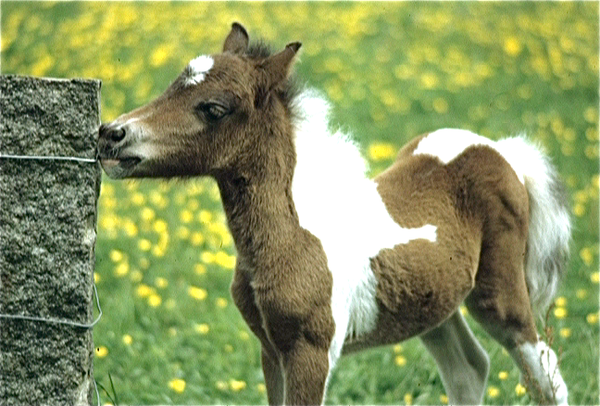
(290,89)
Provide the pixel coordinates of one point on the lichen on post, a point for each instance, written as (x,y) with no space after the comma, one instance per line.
(48,211)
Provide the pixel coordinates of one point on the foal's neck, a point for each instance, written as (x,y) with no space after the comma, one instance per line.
(261,216)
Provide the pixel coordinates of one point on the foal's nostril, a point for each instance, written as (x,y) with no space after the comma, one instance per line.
(117,134)
(114,134)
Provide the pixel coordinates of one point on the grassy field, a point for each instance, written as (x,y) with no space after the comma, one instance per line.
(170,333)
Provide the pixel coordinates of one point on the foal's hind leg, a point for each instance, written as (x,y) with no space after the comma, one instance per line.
(462,362)
(500,303)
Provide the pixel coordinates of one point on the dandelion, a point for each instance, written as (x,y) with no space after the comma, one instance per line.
(197,239)
(101,351)
(200,269)
(154,300)
(147,214)
(127,339)
(380,151)
(236,386)
(202,328)
(493,392)
(205,216)
(440,105)
(444,399)
(408,399)
(221,385)
(160,226)
(136,276)
(400,360)
(207,257)
(565,332)
(144,244)
(186,216)
(592,318)
(397,348)
(161,282)
(261,388)
(586,256)
(560,301)
(581,294)
(225,260)
(560,312)
(116,256)
(144,290)
(228,348)
(178,385)
(520,390)
(97,277)
(502,375)
(122,269)
(197,293)
(137,198)
(244,336)
(595,277)
(221,303)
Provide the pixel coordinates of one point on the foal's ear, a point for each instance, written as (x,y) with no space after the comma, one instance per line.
(237,40)
(277,66)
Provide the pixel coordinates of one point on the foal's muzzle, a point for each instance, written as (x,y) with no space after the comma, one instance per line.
(116,155)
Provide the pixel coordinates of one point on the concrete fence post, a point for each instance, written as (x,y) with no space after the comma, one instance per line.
(48,214)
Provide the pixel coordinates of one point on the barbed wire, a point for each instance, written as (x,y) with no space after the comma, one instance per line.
(48,158)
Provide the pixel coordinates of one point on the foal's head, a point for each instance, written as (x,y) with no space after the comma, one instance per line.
(217,118)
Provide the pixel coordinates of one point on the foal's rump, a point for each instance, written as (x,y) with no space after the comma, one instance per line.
(479,194)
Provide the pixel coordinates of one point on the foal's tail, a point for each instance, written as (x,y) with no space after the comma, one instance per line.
(549,220)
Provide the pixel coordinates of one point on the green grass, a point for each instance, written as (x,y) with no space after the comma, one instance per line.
(170,333)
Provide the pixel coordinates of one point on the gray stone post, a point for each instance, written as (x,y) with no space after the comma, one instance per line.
(48,214)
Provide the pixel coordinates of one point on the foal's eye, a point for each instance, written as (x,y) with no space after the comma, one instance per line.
(214,111)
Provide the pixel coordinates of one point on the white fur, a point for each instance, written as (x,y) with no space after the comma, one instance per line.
(549,220)
(198,68)
(541,364)
(338,204)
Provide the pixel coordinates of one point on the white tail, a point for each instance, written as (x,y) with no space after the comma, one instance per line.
(549,219)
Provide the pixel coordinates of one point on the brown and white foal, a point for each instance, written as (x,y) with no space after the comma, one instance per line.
(331,262)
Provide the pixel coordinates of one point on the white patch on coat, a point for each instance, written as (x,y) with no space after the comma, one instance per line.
(448,143)
(541,362)
(198,68)
(339,205)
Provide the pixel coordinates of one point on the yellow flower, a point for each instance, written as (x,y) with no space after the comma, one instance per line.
(444,399)
(186,216)
(178,385)
(116,256)
(147,214)
(127,339)
(261,388)
(236,386)
(397,348)
(205,216)
(520,390)
(137,198)
(225,260)
(565,332)
(221,385)
(122,269)
(202,328)
(581,293)
(160,226)
(493,392)
(197,293)
(244,336)
(408,399)
(380,151)
(144,290)
(560,312)
(183,232)
(144,244)
(595,277)
(512,46)
(197,238)
(586,256)
(221,303)
(101,351)
(207,257)
(400,360)
(160,55)
(136,276)
(440,105)
(429,80)
(161,282)
(463,310)
(130,228)
(560,301)
(154,300)
(592,318)
(502,375)
(200,269)
(97,277)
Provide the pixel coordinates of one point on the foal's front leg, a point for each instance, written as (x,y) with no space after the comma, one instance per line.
(306,368)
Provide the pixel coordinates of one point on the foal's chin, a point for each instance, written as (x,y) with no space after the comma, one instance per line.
(121,168)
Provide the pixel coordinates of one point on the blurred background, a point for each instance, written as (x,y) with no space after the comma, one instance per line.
(170,333)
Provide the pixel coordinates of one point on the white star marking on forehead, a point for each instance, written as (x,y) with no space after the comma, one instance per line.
(198,68)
